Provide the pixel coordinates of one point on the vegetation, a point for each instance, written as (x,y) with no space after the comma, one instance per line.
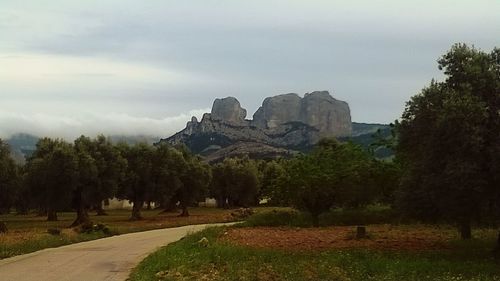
(51,175)
(195,179)
(235,183)
(29,233)
(8,181)
(60,176)
(449,142)
(375,214)
(333,175)
(222,260)
(446,171)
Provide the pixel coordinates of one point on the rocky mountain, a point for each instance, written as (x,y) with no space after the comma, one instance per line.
(283,125)
(366,135)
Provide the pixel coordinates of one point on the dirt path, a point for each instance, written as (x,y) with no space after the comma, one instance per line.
(104,259)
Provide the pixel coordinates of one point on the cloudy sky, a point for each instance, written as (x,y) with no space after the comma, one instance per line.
(145,67)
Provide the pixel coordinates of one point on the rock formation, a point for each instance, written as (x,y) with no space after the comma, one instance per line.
(283,125)
(318,109)
(228,110)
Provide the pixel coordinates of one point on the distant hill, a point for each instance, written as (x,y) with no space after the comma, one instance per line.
(134,139)
(22,146)
(215,146)
(359,129)
(364,135)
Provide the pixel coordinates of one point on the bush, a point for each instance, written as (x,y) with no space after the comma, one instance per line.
(369,215)
(242,213)
(90,228)
(277,218)
(360,217)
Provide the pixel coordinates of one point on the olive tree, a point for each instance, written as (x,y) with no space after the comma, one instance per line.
(448,142)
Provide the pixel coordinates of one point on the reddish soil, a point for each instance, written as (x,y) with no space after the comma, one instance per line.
(380,237)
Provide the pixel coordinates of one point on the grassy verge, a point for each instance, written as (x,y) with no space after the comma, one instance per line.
(189,260)
(29,233)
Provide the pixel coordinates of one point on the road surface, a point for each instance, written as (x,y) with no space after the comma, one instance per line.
(106,259)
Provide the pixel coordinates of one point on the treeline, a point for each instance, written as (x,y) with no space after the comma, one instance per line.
(61,176)
(80,176)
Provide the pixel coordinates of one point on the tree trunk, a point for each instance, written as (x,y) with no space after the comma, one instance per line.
(51,215)
(360,232)
(3,227)
(42,212)
(82,216)
(185,212)
(100,211)
(136,211)
(465,231)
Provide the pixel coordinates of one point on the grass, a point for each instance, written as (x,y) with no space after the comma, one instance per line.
(189,260)
(28,233)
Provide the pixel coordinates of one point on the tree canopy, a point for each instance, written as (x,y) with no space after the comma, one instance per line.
(333,175)
(449,141)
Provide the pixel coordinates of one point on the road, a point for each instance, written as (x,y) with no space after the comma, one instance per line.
(106,259)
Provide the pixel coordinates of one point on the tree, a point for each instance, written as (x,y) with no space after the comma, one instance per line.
(87,179)
(333,175)
(51,174)
(111,167)
(273,172)
(169,166)
(137,184)
(386,176)
(8,181)
(8,178)
(235,182)
(195,181)
(448,142)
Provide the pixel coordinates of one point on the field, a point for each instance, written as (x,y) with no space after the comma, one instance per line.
(389,252)
(28,233)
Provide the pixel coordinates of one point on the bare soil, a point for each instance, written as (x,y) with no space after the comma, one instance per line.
(380,237)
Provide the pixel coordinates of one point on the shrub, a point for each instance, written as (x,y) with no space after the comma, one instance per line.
(369,215)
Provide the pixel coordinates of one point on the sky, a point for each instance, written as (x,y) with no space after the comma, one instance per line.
(145,67)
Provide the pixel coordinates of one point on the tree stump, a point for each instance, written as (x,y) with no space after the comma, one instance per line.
(3,227)
(360,232)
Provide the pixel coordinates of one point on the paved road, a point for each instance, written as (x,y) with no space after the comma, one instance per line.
(99,260)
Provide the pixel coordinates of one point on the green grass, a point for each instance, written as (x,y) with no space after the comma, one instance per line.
(28,233)
(45,241)
(188,260)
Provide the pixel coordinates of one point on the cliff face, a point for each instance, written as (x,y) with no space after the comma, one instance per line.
(318,109)
(286,122)
(228,110)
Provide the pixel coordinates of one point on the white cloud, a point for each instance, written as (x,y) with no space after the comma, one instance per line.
(91,124)
(43,69)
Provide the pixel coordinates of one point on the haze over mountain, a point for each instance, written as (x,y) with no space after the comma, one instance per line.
(118,67)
